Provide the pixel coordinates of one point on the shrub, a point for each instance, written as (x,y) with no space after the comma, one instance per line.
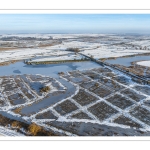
(15,124)
(96,84)
(61,73)
(17,110)
(45,89)
(76,50)
(34,129)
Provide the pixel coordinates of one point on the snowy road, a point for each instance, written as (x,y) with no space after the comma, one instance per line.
(7,132)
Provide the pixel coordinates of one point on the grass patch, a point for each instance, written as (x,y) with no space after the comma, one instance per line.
(73,49)
(45,89)
(34,129)
(17,110)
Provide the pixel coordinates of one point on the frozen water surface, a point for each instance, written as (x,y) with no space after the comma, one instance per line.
(48,69)
(126,61)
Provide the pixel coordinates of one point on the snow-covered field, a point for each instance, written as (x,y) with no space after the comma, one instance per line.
(142,43)
(97,45)
(97,53)
(59,58)
(28,53)
(106,53)
(8,132)
(47,36)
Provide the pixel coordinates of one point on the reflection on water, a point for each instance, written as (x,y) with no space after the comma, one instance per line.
(127,61)
(16,71)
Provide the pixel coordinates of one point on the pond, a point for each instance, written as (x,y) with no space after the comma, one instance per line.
(48,69)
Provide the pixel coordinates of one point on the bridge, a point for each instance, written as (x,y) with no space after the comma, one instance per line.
(136,78)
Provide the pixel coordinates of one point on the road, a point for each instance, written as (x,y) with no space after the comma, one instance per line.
(7,132)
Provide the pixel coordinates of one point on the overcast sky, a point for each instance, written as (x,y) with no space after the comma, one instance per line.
(74,23)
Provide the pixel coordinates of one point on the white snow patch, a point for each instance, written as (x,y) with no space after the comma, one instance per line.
(144,63)
(59,58)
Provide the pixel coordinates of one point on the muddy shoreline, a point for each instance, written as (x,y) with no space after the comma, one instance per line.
(109,58)
(6,63)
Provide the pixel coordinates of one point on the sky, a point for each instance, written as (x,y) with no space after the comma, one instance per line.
(74,23)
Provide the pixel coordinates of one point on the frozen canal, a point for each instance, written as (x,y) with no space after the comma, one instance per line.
(52,99)
(51,70)
(126,61)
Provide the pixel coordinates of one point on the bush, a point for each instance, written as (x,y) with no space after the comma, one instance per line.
(16,124)
(45,89)
(96,84)
(34,129)
(61,73)
(76,50)
(17,110)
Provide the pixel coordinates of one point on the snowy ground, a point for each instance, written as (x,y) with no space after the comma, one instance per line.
(28,53)
(99,46)
(8,132)
(106,53)
(99,96)
(144,63)
(59,58)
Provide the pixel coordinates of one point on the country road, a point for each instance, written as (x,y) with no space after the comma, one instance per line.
(8,132)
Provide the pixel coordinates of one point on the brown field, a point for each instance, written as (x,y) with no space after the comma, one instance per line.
(7,48)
